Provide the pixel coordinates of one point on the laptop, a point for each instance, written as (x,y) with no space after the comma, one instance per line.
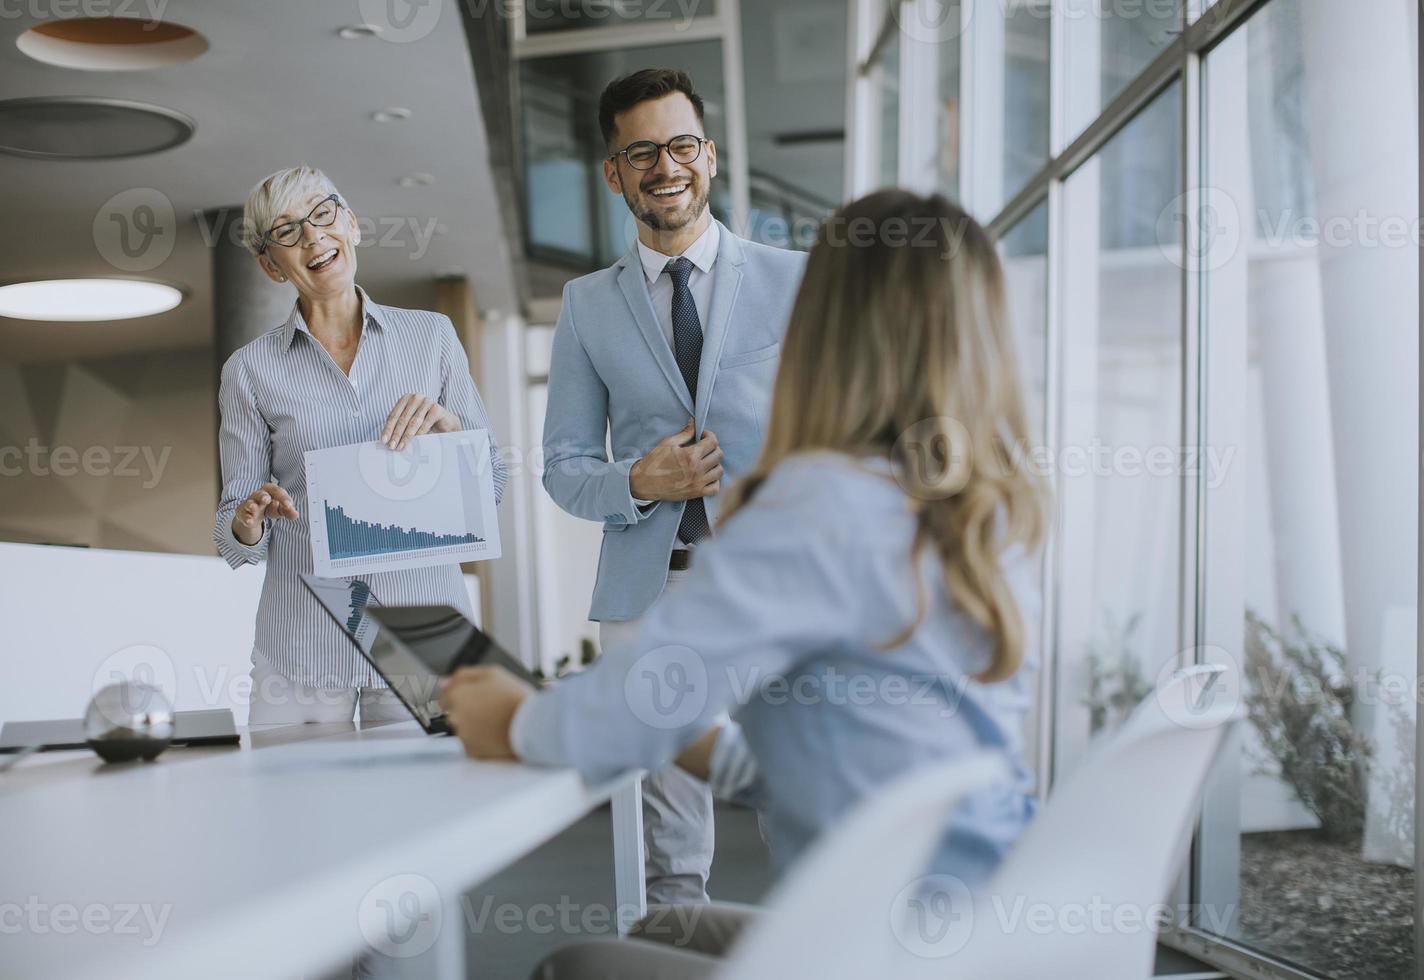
(208,726)
(411,647)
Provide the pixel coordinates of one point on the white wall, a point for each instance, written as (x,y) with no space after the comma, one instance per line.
(72,617)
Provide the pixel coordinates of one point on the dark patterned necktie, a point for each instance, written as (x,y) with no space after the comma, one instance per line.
(687,347)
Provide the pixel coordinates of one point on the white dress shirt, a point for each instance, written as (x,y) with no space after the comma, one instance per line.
(702,253)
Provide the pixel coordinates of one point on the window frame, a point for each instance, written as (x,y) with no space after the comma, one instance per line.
(1206,517)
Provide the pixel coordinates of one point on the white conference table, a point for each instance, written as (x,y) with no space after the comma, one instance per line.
(281,858)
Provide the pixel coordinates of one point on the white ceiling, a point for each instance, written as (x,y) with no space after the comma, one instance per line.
(277,87)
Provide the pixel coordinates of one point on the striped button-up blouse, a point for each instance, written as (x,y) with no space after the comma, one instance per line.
(281,395)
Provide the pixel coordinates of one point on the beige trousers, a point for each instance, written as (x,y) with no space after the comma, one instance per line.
(678,833)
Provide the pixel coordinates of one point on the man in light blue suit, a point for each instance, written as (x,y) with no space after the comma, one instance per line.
(674,349)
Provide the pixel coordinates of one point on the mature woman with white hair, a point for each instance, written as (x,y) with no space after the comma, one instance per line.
(341,369)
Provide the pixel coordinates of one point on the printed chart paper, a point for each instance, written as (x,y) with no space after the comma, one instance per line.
(376,510)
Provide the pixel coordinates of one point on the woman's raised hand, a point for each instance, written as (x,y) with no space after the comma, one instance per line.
(269,500)
(415,415)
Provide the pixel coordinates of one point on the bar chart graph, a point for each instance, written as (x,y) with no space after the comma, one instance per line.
(348,538)
(377,510)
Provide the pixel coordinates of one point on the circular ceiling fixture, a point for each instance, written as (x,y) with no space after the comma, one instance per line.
(86,300)
(395,113)
(77,128)
(111,43)
(358,32)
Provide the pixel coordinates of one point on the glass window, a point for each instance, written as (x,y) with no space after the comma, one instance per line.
(543,16)
(1009,141)
(1199,8)
(574,223)
(889,53)
(1025,255)
(927,38)
(1024,250)
(1026,27)
(1119,455)
(1108,44)
(947,108)
(794,58)
(1311,258)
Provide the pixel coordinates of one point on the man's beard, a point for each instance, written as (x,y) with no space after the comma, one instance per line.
(659,221)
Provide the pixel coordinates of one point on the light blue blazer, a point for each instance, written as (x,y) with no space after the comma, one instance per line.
(612,368)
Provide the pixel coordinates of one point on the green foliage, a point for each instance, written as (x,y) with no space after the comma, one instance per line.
(1299,698)
(1116,683)
(588,653)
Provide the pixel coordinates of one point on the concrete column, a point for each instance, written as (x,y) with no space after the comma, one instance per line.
(246,304)
(1290,337)
(513,588)
(1363,141)
(1360,107)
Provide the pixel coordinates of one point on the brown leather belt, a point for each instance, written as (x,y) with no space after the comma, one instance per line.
(680,560)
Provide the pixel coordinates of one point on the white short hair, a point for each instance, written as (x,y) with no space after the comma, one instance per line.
(277,194)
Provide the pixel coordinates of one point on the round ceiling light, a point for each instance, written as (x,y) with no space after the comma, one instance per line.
(111,43)
(395,113)
(66,128)
(82,300)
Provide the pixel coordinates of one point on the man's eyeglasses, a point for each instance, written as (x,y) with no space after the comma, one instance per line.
(290,232)
(643,155)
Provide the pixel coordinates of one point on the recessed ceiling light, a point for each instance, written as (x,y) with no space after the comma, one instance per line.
(393,113)
(417,180)
(111,43)
(80,128)
(86,299)
(357,32)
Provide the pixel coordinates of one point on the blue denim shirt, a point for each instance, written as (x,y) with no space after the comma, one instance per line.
(783,622)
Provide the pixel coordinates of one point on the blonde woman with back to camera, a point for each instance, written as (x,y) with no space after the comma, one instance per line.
(847,560)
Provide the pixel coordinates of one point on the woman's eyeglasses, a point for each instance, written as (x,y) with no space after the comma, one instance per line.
(643,155)
(289,233)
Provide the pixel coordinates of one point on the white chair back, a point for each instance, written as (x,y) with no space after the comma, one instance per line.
(1084,891)
(1079,896)
(832,916)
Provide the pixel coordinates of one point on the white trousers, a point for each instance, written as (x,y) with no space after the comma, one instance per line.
(279,700)
(678,832)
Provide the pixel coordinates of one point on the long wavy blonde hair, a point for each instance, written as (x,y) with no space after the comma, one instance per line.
(899,346)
